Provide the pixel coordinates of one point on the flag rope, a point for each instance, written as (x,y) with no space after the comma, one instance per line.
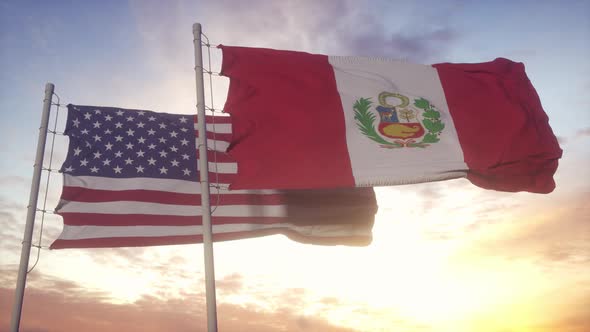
(209,71)
(44,210)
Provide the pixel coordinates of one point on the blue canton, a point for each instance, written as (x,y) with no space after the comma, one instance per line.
(120,143)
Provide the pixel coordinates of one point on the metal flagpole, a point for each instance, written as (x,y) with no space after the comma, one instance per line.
(31,212)
(204,173)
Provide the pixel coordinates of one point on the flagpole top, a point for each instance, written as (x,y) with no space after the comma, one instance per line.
(197,28)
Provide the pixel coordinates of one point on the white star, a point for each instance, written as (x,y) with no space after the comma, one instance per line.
(97,154)
(128,161)
(152,146)
(108,117)
(76,122)
(140,125)
(152,161)
(139,169)
(88,145)
(68,169)
(130,132)
(173,134)
(162,140)
(118,125)
(151,132)
(163,170)
(94,169)
(183,120)
(84,131)
(173,148)
(163,154)
(97,124)
(152,118)
(118,138)
(108,146)
(84,162)
(97,138)
(106,162)
(87,116)
(174,162)
(129,146)
(130,118)
(117,169)
(108,132)
(140,153)
(162,125)
(118,154)
(119,112)
(141,140)
(97,111)
(186,171)
(184,141)
(184,130)
(141,112)
(77,151)
(185,156)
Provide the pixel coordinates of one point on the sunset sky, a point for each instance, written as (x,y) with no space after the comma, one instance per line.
(446,256)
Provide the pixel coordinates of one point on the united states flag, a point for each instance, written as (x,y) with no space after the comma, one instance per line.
(131,179)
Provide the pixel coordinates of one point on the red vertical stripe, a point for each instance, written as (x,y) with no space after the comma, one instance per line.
(504,133)
(274,153)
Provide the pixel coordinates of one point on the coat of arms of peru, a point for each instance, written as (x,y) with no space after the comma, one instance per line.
(404,122)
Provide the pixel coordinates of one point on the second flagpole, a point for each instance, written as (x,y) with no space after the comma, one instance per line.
(204,174)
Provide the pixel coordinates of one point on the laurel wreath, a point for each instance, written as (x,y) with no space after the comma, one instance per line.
(365,121)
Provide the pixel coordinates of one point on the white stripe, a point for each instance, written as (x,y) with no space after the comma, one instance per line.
(222,168)
(220,128)
(169,185)
(131,207)
(104,183)
(97,232)
(215,145)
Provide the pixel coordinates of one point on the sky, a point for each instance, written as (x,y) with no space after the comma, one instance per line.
(446,256)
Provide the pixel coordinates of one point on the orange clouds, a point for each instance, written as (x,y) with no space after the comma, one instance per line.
(58,305)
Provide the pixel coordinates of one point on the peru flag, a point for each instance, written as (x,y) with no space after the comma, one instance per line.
(303,120)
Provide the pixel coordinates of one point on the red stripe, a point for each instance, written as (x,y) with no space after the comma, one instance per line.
(79,194)
(96,219)
(220,178)
(217,119)
(504,133)
(186,239)
(220,157)
(217,136)
(287,123)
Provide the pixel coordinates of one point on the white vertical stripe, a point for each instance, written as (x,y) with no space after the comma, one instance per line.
(375,163)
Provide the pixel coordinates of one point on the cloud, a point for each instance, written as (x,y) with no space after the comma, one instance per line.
(562,140)
(417,47)
(538,235)
(231,284)
(583,132)
(380,28)
(57,305)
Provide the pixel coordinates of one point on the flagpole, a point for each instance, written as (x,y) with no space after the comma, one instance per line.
(31,212)
(204,173)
